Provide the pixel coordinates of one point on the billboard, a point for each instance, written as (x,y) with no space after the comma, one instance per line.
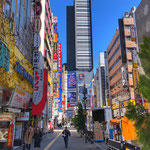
(20,98)
(55,56)
(72,80)
(39,91)
(72,97)
(55,37)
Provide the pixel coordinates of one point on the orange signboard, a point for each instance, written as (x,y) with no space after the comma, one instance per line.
(10,135)
(55,38)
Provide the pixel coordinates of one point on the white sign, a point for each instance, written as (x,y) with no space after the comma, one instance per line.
(23,116)
(55,66)
(38,86)
(124,77)
(38,61)
(20,98)
(37,40)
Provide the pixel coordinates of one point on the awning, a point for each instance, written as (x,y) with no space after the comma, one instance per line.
(127,127)
(115,121)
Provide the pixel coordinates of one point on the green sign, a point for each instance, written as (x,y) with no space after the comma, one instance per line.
(4,56)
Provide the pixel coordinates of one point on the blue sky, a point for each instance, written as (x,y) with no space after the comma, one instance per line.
(105,14)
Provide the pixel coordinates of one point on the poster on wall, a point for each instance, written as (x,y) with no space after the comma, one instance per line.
(39,91)
(72,97)
(124,78)
(20,98)
(72,80)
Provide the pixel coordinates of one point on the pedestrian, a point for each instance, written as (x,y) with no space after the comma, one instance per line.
(37,138)
(66,134)
(29,136)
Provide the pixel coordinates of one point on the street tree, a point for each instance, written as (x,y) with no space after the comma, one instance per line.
(138,113)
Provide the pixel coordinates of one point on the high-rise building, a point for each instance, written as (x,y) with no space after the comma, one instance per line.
(79,46)
(70,38)
(83,35)
(102,81)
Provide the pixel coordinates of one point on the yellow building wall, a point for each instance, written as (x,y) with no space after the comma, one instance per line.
(11,78)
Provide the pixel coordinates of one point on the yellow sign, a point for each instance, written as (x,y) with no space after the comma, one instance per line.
(55,38)
(114,106)
(132,101)
(135,65)
(49,79)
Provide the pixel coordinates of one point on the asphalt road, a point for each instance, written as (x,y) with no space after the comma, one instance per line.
(55,142)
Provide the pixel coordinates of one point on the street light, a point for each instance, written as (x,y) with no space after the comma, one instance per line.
(84,98)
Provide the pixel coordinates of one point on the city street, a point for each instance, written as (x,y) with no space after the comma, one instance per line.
(55,142)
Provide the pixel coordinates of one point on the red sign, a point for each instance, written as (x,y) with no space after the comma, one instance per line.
(38,8)
(55,56)
(10,135)
(38,106)
(59,58)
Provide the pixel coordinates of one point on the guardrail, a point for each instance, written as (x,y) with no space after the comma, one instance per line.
(117,145)
(130,146)
(114,145)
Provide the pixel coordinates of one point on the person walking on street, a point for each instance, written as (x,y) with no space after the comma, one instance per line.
(29,136)
(37,138)
(66,134)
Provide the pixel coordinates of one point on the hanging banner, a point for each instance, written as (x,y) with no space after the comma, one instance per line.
(37,40)
(10,135)
(133,33)
(55,56)
(20,98)
(39,91)
(59,58)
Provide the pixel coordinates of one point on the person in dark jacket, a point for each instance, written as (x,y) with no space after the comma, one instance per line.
(66,134)
(37,138)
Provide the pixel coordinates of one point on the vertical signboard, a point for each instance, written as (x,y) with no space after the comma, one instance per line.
(59,58)
(133,33)
(39,91)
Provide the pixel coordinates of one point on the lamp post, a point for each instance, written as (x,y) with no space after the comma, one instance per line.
(84,98)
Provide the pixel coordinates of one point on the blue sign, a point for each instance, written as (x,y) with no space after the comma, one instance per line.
(60,98)
(23,72)
(72,80)
(4,56)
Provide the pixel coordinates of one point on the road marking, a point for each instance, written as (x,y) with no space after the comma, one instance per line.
(50,144)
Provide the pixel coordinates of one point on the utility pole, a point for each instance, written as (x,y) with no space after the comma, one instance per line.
(84,98)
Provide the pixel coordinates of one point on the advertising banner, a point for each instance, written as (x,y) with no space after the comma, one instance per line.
(124,78)
(39,91)
(55,76)
(20,98)
(24,116)
(4,56)
(55,28)
(133,33)
(37,40)
(55,19)
(37,24)
(38,61)
(59,58)
(55,47)
(72,97)
(72,80)
(10,135)
(38,8)
(55,56)
(55,38)
(55,66)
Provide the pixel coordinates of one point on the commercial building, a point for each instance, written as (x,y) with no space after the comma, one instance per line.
(79,44)
(16,70)
(142,20)
(70,38)
(102,81)
(121,66)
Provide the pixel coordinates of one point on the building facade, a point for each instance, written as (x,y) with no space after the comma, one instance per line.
(120,66)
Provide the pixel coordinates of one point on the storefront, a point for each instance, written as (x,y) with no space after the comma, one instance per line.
(7,124)
(16,81)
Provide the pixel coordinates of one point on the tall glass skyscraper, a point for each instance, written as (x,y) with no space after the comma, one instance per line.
(83,35)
